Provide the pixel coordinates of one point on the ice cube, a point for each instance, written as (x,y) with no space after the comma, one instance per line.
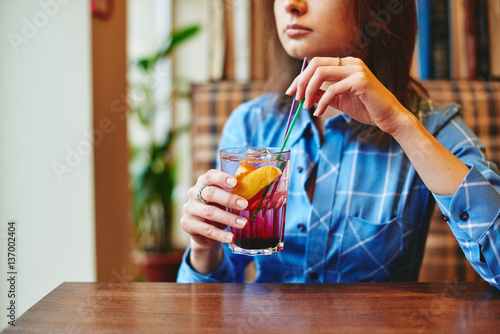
(263,153)
(259,151)
(280,202)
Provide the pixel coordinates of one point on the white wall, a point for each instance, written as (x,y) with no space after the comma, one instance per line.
(45,109)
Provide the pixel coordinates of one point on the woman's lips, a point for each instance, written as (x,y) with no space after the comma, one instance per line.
(296,30)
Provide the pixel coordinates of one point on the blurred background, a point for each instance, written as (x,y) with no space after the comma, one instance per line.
(95,152)
(64,149)
(95,111)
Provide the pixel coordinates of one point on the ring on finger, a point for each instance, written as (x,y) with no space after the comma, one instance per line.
(339,61)
(200,197)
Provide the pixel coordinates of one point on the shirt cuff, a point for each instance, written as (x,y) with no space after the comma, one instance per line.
(474,207)
(224,273)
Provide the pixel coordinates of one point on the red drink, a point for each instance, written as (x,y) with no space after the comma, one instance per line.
(264,232)
(267,229)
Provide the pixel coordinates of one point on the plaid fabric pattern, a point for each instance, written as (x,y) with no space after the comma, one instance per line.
(480,102)
(212,104)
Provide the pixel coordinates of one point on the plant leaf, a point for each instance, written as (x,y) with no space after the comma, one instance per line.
(175,38)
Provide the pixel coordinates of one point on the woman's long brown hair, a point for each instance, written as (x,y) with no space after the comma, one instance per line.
(386,39)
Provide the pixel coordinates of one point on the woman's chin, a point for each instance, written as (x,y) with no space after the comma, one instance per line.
(298,54)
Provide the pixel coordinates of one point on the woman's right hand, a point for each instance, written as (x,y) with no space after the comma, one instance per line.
(205,222)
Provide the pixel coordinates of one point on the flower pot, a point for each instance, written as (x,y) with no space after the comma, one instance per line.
(162,266)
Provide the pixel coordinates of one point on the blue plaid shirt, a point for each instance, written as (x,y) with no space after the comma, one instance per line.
(370,213)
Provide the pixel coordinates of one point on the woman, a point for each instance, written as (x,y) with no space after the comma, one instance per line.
(370,157)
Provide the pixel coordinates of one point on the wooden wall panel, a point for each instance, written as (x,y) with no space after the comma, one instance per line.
(111,154)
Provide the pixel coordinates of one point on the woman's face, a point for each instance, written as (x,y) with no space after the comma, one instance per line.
(309,28)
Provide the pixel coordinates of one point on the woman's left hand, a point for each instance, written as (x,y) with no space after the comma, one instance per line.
(353,89)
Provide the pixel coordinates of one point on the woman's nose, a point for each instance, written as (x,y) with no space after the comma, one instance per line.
(295,6)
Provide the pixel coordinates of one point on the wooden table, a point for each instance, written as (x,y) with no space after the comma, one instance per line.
(265,308)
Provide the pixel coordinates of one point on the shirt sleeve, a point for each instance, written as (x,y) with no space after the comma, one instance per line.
(473,211)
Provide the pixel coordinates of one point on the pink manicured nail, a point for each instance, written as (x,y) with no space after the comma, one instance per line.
(241,222)
(241,203)
(231,181)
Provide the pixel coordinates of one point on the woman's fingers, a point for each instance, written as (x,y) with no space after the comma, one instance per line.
(205,219)
(300,82)
(215,182)
(209,221)
(214,214)
(328,97)
(292,88)
(200,230)
(322,75)
(320,70)
(217,178)
(216,195)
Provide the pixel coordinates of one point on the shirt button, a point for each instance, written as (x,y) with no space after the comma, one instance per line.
(300,169)
(445,217)
(313,275)
(301,227)
(464,216)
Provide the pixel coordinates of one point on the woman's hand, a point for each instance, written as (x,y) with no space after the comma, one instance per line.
(205,222)
(352,88)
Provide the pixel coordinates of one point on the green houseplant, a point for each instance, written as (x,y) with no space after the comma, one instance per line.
(153,164)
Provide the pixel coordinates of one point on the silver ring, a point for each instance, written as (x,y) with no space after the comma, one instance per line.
(202,200)
(339,61)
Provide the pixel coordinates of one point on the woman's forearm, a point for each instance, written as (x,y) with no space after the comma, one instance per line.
(438,168)
(205,260)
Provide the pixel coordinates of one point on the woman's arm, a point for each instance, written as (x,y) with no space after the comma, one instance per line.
(439,169)
(467,194)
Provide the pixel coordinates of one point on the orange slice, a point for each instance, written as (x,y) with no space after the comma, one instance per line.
(250,184)
(243,170)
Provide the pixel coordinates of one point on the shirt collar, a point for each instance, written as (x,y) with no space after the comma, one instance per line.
(305,127)
(302,124)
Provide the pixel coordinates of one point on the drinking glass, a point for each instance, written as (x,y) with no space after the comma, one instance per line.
(266,191)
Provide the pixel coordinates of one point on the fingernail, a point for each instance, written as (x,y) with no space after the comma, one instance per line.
(231,181)
(229,237)
(288,91)
(241,222)
(241,203)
